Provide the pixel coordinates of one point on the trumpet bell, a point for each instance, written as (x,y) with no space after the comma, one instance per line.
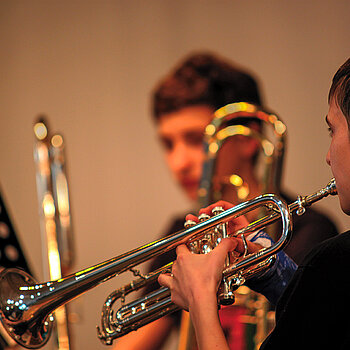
(26,307)
(14,310)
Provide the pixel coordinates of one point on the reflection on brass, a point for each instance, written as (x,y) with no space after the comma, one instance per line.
(271,139)
(270,136)
(54,211)
(26,306)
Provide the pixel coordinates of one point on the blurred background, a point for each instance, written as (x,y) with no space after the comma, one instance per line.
(90,66)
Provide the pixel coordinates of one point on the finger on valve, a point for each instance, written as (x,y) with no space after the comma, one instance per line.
(233,224)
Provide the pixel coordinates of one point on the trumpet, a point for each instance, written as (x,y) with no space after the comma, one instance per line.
(268,131)
(26,306)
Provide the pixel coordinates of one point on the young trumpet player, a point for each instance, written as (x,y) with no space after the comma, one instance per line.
(183,105)
(313,310)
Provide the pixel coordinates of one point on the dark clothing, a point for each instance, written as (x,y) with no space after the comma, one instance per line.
(313,312)
(309,229)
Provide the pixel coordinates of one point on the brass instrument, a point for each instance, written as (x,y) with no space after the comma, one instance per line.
(224,125)
(232,120)
(26,306)
(55,218)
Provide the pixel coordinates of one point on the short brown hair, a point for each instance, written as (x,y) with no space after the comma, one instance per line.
(340,89)
(204,78)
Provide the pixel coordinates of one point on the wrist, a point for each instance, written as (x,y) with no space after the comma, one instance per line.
(205,318)
(206,299)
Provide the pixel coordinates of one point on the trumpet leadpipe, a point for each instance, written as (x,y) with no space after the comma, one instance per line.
(25,306)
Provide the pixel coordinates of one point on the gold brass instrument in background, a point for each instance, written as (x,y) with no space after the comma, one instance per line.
(26,306)
(266,128)
(55,217)
(227,122)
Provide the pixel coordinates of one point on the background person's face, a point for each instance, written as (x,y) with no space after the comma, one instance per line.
(338,156)
(181,134)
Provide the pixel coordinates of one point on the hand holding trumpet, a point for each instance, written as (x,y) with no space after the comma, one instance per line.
(31,328)
(197,276)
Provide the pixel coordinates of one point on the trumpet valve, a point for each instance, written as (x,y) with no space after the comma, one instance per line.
(189,223)
(206,246)
(217,210)
(221,228)
(226,295)
(211,237)
(226,298)
(203,217)
(192,245)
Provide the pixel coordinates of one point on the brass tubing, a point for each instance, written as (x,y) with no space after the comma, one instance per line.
(25,306)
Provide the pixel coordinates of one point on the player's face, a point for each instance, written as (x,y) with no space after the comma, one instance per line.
(338,156)
(181,134)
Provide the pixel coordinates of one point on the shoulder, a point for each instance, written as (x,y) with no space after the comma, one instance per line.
(309,229)
(330,252)
(316,218)
(327,264)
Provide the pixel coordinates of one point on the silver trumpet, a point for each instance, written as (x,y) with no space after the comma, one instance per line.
(26,306)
